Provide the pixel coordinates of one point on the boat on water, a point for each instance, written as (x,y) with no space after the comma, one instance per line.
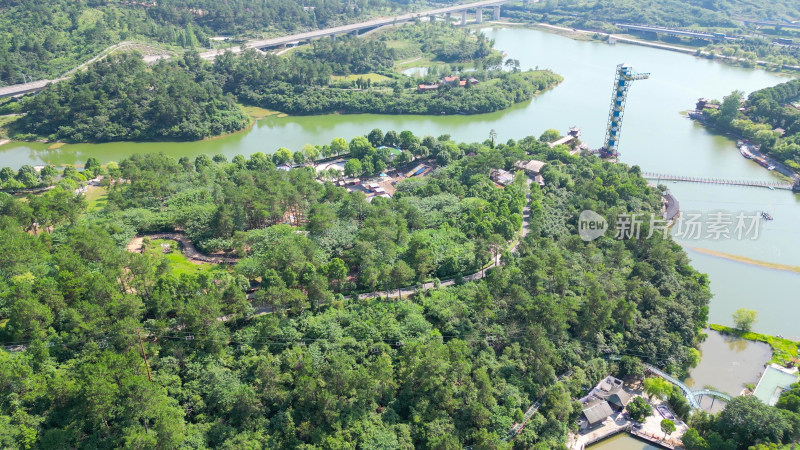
(763,163)
(766,215)
(744,152)
(771,188)
(770,167)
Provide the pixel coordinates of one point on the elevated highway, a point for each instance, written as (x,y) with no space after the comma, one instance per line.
(676,32)
(769,23)
(369,24)
(26,88)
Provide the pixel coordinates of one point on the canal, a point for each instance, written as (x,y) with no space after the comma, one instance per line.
(655,136)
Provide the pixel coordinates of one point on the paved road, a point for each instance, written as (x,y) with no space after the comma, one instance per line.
(192,253)
(663,46)
(344,29)
(19,89)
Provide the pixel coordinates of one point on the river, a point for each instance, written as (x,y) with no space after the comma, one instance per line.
(655,136)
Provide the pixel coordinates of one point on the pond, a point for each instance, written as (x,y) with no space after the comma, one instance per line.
(622,441)
(727,364)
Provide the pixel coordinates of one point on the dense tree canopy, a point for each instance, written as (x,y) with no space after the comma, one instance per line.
(766,110)
(121,98)
(40,40)
(747,422)
(443,368)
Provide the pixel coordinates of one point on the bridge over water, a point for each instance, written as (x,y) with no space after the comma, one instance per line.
(754,183)
(693,397)
(676,32)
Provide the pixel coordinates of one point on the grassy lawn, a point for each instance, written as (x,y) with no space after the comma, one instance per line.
(373,77)
(177,261)
(96,198)
(404,47)
(258,113)
(782,349)
(420,61)
(4,122)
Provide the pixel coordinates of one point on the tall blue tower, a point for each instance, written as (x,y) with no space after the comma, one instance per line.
(622,82)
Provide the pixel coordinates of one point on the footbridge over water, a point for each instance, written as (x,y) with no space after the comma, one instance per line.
(754,183)
(693,397)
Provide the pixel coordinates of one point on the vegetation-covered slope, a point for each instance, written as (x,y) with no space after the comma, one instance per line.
(121,98)
(681,13)
(766,111)
(442,369)
(43,40)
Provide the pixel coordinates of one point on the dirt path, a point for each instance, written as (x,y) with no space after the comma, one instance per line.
(135,245)
(405,292)
(193,254)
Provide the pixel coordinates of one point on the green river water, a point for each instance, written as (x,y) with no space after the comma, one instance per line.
(655,136)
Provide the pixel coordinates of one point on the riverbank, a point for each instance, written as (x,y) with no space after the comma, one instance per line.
(254,114)
(610,38)
(751,149)
(783,350)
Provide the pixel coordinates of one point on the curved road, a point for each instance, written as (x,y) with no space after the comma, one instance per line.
(18,89)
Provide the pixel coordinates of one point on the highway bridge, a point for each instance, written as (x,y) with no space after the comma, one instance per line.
(768,23)
(370,24)
(478,7)
(676,32)
(26,88)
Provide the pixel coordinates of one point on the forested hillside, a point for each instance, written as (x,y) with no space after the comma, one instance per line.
(41,40)
(680,13)
(188,98)
(121,98)
(444,368)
